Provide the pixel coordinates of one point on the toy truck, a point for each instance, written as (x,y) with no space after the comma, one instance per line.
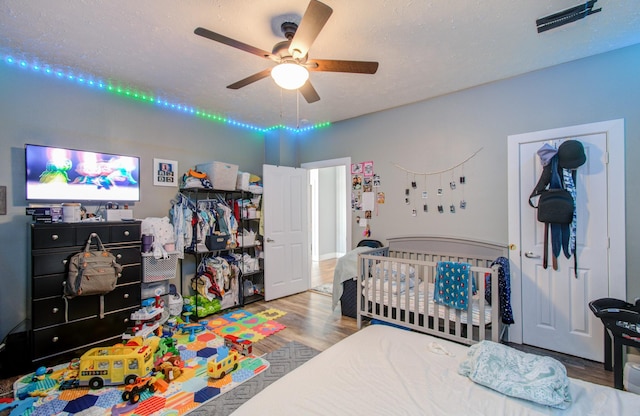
(243,346)
(225,362)
(133,391)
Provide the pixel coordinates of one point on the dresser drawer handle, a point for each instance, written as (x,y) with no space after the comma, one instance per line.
(54,236)
(65,261)
(55,310)
(54,339)
(126,233)
(125,320)
(126,296)
(118,256)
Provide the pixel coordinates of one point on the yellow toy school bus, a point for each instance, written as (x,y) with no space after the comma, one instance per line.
(114,365)
(223,364)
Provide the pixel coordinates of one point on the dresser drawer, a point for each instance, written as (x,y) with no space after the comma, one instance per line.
(56,339)
(130,274)
(51,311)
(52,237)
(126,255)
(83,234)
(126,232)
(48,286)
(51,262)
(122,297)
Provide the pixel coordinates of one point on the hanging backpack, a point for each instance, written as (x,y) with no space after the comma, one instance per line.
(556,205)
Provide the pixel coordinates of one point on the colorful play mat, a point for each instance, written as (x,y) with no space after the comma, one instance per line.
(184,394)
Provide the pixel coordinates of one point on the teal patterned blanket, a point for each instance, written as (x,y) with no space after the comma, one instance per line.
(531,377)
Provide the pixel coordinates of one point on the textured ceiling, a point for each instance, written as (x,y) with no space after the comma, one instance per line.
(425,48)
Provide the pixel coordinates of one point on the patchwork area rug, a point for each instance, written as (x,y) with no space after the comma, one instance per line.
(281,362)
(186,393)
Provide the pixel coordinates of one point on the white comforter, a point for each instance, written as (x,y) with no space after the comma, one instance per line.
(387,371)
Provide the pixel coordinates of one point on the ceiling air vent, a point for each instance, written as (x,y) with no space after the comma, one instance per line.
(566,16)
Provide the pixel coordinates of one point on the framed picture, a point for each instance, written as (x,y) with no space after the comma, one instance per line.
(165,172)
(367,168)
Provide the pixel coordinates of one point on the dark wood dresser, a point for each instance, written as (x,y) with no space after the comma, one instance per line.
(63,329)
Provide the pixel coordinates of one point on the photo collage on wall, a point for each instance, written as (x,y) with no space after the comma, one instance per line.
(366,194)
(445,197)
(437,192)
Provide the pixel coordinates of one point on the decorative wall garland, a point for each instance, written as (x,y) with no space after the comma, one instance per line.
(412,186)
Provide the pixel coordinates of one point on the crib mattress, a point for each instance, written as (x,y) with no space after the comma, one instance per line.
(379,292)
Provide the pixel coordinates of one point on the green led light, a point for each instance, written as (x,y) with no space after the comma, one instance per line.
(93,82)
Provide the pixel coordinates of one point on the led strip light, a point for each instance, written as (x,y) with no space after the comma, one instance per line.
(133,94)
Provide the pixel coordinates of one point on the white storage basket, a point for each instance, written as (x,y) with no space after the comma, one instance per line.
(155,270)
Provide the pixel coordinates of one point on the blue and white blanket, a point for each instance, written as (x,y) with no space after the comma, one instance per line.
(452,283)
(542,380)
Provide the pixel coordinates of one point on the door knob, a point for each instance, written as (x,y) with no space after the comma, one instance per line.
(530,255)
(270,240)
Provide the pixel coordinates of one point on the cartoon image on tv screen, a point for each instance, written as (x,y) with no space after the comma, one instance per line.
(65,175)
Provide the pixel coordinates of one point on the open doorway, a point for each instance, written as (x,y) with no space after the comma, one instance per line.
(330,219)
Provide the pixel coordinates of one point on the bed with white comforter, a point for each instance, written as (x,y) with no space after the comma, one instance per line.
(381,370)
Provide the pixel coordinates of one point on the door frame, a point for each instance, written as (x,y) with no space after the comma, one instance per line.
(346,162)
(615,163)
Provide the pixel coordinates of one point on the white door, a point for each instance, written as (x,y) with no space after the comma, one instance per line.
(554,304)
(286,231)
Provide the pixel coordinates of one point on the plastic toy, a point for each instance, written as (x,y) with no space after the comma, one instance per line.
(225,362)
(133,391)
(114,365)
(243,346)
(41,373)
(19,406)
(192,329)
(170,369)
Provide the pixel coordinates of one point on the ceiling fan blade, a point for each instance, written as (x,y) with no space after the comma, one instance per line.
(331,65)
(309,93)
(250,79)
(312,22)
(233,43)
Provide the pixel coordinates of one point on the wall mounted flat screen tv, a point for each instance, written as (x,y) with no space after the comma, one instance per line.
(59,174)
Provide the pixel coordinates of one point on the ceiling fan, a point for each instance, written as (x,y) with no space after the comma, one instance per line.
(291,55)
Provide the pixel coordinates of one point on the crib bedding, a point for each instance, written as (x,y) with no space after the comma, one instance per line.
(381,370)
(412,297)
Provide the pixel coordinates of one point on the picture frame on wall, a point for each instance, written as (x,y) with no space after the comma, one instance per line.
(165,172)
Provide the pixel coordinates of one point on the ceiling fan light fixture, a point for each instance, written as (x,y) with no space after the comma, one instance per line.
(289,75)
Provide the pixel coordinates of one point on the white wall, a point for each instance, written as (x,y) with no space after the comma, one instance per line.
(437,134)
(327,215)
(44,110)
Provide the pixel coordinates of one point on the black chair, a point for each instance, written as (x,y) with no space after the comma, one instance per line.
(370,243)
(622,327)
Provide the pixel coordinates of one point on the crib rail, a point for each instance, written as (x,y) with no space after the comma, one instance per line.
(397,286)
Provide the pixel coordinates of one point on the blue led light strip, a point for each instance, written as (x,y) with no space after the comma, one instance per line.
(91,82)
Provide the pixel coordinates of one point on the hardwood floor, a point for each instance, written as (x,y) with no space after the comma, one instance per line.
(310,320)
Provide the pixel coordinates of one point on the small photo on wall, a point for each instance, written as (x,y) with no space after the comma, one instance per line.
(356,182)
(165,172)
(356,168)
(367,168)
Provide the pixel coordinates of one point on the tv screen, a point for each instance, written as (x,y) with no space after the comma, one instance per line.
(58,174)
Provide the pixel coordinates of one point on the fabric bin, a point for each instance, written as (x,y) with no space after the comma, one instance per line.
(222,175)
(348,299)
(217,242)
